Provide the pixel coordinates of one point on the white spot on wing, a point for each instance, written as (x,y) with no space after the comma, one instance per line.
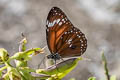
(63,20)
(60,23)
(47,22)
(69,41)
(82,45)
(81,50)
(58,20)
(70,45)
(65,33)
(47,30)
(53,22)
(50,25)
(81,41)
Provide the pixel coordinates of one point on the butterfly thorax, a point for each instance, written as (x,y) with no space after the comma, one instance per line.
(54,56)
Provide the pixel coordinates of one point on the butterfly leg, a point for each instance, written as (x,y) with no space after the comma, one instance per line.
(56,65)
(64,61)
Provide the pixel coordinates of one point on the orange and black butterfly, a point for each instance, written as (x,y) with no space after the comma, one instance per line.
(63,39)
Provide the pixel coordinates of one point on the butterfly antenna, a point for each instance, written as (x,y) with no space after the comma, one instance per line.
(44,47)
(56,65)
(42,61)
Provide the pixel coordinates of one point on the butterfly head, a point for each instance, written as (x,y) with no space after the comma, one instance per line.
(54,56)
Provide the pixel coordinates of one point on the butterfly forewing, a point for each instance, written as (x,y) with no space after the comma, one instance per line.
(57,23)
(62,37)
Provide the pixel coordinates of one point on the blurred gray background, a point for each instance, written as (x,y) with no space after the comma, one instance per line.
(98,19)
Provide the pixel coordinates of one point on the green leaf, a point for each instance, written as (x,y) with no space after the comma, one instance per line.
(3,55)
(40,76)
(61,69)
(12,74)
(23,57)
(21,63)
(113,77)
(25,72)
(92,78)
(34,50)
(26,55)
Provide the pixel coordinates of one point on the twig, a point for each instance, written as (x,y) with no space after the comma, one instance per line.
(22,46)
(105,66)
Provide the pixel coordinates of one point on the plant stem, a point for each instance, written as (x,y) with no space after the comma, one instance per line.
(105,66)
(1,69)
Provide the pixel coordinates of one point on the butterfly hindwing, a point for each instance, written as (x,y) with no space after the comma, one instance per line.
(74,45)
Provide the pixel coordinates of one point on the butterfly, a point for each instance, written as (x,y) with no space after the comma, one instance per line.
(63,39)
